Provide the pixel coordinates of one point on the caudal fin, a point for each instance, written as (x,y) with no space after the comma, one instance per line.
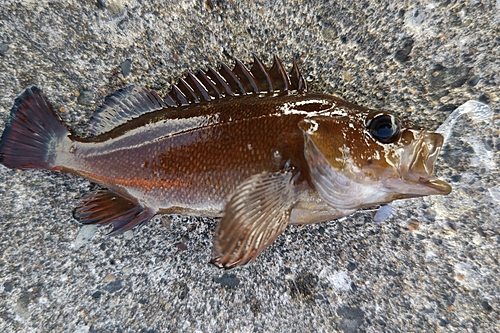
(30,139)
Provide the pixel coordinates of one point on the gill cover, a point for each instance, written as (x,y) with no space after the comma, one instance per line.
(328,158)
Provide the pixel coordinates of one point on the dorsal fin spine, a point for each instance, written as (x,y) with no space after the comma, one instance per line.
(262,75)
(200,88)
(216,77)
(244,74)
(188,91)
(231,79)
(281,76)
(209,84)
(170,101)
(296,78)
(180,96)
(157,99)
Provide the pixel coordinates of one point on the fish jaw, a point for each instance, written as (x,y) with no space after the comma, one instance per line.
(416,167)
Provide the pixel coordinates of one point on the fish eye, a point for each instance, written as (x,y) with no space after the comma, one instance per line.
(384,128)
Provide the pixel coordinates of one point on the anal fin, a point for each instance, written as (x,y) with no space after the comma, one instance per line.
(258,212)
(108,207)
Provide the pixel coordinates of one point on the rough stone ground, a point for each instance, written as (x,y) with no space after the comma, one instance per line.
(431,267)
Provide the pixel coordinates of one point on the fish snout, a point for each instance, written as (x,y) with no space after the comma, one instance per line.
(428,148)
(422,157)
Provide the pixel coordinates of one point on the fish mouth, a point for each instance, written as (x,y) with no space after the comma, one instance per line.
(417,167)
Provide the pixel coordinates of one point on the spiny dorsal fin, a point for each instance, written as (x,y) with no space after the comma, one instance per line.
(213,84)
(203,87)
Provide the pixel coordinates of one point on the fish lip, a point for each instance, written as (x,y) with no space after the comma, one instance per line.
(419,171)
(440,186)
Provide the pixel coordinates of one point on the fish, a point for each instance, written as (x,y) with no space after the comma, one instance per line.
(252,147)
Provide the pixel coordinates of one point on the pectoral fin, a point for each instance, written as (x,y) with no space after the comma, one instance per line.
(257,213)
(107,207)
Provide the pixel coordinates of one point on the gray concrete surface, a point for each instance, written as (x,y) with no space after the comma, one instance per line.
(431,267)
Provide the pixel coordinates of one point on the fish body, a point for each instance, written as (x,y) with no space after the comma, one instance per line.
(189,161)
(250,146)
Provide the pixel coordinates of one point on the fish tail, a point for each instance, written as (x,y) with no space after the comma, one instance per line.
(31,138)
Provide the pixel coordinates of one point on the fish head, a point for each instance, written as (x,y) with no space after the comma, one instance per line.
(370,157)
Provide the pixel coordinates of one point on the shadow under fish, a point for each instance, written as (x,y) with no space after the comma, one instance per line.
(250,146)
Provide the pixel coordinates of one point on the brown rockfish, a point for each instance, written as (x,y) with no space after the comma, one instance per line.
(250,146)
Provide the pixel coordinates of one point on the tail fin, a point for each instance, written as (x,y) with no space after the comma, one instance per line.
(30,139)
